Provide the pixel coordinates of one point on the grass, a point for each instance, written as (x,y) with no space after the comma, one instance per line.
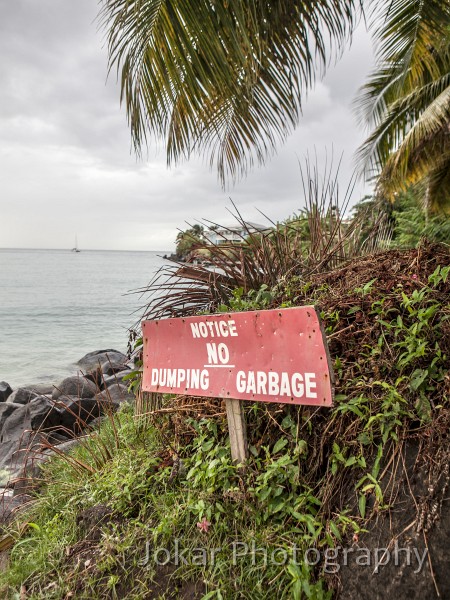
(210,510)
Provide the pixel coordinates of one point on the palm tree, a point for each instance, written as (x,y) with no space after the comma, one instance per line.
(226,78)
(407,104)
(188,239)
(223,78)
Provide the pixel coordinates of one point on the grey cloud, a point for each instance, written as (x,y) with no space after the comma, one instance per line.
(65,157)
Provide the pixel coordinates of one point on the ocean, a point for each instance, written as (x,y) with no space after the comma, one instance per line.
(57,305)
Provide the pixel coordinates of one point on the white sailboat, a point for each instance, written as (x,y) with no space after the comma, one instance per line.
(75,248)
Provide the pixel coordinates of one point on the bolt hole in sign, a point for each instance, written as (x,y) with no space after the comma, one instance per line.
(264,356)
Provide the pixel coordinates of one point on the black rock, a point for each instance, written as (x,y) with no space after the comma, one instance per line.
(110,367)
(6,409)
(76,413)
(116,378)
(44,414)
(116,393)
(92,360)
(96,376)
(14,452)
(56,437)
(22,396)
(9,506)
(41,389)
(7,450)
(29,477)
(77,386)
(15,421)
(5,391)
(40,413)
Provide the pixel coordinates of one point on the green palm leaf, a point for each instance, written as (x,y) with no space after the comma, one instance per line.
(396,123)
(222,78)
(406,100)
(423,154)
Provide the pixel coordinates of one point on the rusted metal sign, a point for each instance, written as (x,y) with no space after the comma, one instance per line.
(265,356)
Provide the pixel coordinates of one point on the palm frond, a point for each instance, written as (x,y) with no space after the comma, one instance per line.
(409,41)
(223,79)
(317,240)
(406,100)
(439,186)
(413,51)
(398,120)
(424,149)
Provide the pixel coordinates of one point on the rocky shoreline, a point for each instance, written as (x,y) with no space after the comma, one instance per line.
(37,416)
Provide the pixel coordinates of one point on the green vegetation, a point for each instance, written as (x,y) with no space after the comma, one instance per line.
(402,223)
(314,480)
(188,240)
(411,223)
(406,103)
(227,80)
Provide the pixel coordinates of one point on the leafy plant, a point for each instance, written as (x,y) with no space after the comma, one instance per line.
(411,222)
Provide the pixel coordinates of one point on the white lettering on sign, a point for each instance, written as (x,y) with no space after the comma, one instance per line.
(217,353)
(266,356)
(276,384)
(213,329)
(192,379)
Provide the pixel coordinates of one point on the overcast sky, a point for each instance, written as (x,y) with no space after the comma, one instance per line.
(66,167)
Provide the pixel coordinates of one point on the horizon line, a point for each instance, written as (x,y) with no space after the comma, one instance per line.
(84,249)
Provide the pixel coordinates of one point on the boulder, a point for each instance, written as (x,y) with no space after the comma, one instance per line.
(39,413)
(96,376)
(15,423)
(28,479)
(6,409)
(109,367)
(5,391)
(116,378)
(22,396)
(9,506)
(76,413)
(75,386)
(41,389)
(116,394)
(7,452)
(29,418)
(67,446)
(44,414)
(58,437)
(92,360)
(14,452)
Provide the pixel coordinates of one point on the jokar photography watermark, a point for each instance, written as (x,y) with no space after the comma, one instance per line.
(330,559)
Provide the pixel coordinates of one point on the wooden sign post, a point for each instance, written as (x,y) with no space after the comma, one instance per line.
(238,430)
(263,356)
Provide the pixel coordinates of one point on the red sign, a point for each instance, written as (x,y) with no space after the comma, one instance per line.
(265,356)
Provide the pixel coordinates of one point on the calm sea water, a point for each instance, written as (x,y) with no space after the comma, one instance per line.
(57,305)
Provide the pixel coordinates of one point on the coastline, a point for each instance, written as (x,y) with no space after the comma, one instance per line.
(56,412)
(56,305)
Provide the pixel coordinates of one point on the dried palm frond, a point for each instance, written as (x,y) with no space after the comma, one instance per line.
(316,240)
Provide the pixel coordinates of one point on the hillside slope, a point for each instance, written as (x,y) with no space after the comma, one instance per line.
(349,501)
